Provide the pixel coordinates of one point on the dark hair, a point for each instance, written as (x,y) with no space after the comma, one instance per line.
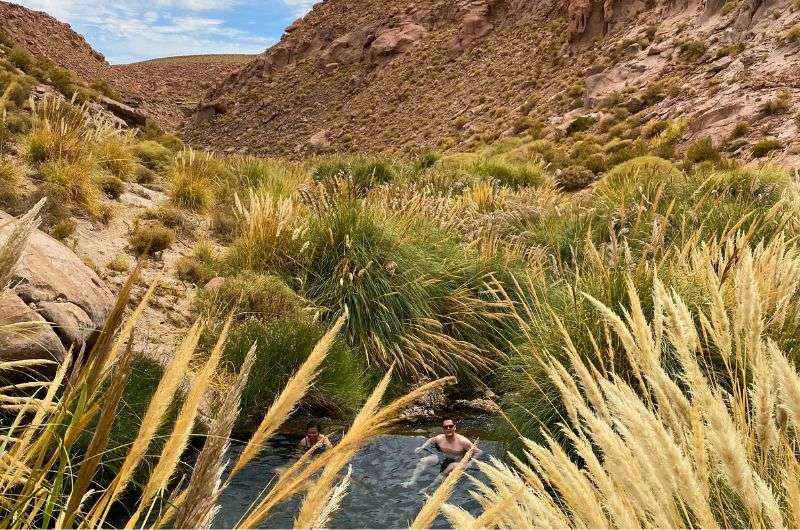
(445,418)
(314,425)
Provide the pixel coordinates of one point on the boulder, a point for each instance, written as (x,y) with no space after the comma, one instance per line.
(51,287)
(130,115)
(320,142)
(394,41)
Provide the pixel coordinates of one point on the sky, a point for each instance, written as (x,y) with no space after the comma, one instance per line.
(134,30)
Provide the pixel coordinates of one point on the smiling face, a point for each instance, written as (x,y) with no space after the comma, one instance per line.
(313,435)
(449,428)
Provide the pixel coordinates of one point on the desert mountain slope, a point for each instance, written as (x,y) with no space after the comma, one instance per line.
(164,89)
(377,76)
(169,89)
(47,37)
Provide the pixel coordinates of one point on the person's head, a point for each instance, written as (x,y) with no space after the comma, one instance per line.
(448,426)
(313,431)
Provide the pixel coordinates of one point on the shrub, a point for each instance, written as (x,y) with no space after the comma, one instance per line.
(192,270)
(574,178)
(61,80)
(425,161)
(703,150)
(741,129)
(19,57)
(61,130)
(639,177)
(765,147)
(168,216)
(692,49)
(581,123)
(71,183)
(793,35)
(152,155)
(144,175)
(120,263)
(114,155)
(254,296)
(281,347)
(732,50)
(192,178)
(425,281)
(63,229)
(102,86)
(364,172)
(780,104)
(111,185)
(514,176)
(9,173)
(150,237)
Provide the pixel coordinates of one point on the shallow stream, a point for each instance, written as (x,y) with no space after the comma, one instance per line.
(375,499)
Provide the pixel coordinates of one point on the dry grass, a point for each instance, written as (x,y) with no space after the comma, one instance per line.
(713,445)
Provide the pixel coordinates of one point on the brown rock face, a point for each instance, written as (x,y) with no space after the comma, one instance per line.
(413,75)
(45,36)
(393,41)
(52,287)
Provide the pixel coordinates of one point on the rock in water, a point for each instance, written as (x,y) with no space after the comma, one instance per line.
(63,299)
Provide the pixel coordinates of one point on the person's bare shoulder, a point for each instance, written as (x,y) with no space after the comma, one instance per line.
(464,441)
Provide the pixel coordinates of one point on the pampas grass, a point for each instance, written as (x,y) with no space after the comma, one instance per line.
(647,459)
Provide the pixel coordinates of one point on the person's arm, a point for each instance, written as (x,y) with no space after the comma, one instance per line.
(428,443)
(326,441)
(468,445)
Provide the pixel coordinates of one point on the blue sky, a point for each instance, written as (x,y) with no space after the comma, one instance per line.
(133,30)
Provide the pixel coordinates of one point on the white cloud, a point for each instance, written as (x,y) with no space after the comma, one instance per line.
(130,30)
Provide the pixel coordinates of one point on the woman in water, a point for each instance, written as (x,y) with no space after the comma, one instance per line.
(450,445)
(313,436)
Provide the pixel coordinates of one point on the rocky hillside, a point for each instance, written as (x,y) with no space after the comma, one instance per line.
(166,90)
(169,89)
(376,76)
(44,36)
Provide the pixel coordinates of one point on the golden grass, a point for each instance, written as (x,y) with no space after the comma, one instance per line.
(653,454)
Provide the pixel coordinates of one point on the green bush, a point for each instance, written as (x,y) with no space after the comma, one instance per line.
(254,296)
(139,390)
(765,147)
(71,183)
(423,283)
(741,129)
(514,176)
(581,123)
(692,49)
(114,154)
(193,177)
(152,155)
(61,80)
(19,57)
(102,86)
(636,179)
(10,173)
(364,172)
(703,150)
(281,347)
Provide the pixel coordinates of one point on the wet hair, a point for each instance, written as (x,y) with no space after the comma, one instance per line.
(445,418)
(314,425)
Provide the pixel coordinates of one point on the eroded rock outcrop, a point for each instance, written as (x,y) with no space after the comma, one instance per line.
(63,302)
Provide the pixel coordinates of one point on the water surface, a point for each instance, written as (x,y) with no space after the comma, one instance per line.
(375,499)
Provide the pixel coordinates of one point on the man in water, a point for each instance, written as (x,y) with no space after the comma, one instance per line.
(314,435)
(450,445)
